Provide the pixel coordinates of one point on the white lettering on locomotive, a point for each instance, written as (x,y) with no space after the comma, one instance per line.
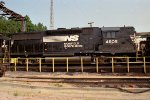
(72,38)
(111,41)
(61,38)
(72,45)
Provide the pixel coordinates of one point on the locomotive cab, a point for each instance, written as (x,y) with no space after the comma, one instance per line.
(117,41)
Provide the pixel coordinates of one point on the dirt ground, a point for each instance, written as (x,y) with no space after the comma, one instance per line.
(19,93)
(49,91)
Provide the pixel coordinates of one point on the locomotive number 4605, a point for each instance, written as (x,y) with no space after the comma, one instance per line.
(111,41)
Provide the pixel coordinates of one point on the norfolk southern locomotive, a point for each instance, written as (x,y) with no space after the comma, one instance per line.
(89,41)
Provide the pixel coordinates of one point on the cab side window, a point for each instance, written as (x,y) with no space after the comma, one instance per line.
(109,34)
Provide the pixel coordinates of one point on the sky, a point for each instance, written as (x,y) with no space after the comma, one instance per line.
(78,13)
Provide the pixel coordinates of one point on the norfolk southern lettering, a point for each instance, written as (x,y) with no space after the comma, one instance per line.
(61,38)
(72,45)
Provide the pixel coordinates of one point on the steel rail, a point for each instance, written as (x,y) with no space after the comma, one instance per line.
(120,80)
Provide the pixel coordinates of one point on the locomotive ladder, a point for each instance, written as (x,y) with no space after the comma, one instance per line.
(6,56)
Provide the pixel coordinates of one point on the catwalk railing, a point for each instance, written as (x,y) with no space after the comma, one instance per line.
(99,63)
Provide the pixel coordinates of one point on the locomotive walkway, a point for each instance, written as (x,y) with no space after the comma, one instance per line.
(82,64)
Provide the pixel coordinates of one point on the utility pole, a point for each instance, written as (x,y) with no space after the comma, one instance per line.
(51,15)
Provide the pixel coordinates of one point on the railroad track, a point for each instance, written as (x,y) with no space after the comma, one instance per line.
(124,82)
(127,84)
(140,82)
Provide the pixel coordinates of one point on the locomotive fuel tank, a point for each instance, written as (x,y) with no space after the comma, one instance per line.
(70,60)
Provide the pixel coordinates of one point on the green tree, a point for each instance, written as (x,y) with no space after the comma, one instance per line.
(10,26)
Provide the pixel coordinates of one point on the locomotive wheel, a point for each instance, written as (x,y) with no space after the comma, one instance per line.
(2,70)
(1,74)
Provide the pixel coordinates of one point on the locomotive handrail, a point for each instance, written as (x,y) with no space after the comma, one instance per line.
(143,61)
(126,63)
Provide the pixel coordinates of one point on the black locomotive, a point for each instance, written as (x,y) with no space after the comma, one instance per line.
(89,41)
